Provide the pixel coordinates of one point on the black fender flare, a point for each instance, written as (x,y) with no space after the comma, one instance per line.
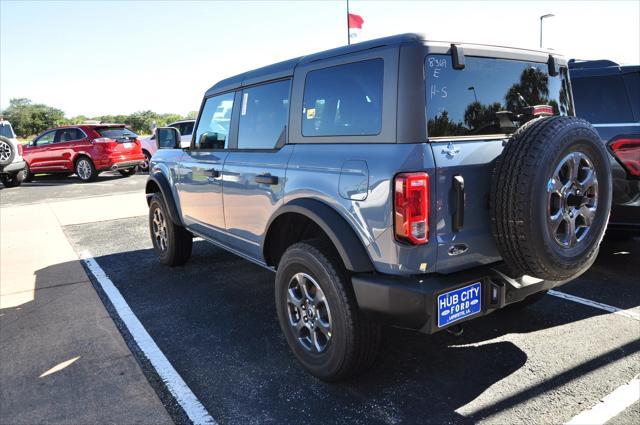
(349,247)
(161,181)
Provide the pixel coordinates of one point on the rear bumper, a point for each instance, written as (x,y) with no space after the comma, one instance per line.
(125,165)
(14,167)
(411,301)
(119,162)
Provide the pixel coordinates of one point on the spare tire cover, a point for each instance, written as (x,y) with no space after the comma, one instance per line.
(551,198)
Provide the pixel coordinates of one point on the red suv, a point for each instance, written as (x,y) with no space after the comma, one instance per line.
(85,150)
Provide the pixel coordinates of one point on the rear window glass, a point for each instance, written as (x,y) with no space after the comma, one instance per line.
(602,99)
(344,100)
(489,96)
(117,133)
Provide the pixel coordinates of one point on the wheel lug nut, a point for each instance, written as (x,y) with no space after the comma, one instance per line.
(305,318)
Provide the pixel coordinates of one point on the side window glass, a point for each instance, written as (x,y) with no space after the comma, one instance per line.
(214,124)
(45,139)
(263,116)
(187,128)
(68,135)
(344,100)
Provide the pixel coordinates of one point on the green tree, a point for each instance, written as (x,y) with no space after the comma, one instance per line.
(29,118)
(534,88)
(478,116)
(441,125)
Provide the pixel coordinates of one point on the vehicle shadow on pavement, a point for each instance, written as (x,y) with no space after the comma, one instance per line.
(56,180)
(215,320)
(61,361)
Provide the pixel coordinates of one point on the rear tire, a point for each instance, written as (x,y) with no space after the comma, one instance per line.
(85,170)
(14,180)
(325,330)
(171,242)
(551,198)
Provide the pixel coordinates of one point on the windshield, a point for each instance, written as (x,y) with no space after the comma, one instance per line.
(489,96)
(117,133)
(6,131)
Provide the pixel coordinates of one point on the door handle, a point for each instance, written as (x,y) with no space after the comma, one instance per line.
(267,179)
(458,215)
(212,173)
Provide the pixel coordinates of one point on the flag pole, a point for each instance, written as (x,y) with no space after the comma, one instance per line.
(348,35)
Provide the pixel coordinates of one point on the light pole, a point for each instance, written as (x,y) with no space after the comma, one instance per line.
(474,93)
(548,15)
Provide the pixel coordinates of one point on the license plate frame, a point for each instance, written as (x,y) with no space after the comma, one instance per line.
(459,303)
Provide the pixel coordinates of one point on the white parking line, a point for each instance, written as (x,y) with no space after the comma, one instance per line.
(610,406)
(615,310)
(174,382)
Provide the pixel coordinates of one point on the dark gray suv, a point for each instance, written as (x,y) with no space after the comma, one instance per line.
(395,181)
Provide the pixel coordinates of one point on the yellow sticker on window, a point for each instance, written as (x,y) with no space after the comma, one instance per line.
(311,113)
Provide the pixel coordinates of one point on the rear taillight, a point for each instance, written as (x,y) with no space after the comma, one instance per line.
(107,143)
(542,110)
(626,149)
(20,149)
(103,140)
(411,208)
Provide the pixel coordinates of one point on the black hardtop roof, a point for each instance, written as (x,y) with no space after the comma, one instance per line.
(286,68)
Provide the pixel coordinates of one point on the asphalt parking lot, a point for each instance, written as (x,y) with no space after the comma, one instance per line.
(215,320)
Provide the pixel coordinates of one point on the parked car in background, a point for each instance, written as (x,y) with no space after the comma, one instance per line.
(149,145)
(85,150)
(608,95)
(381,189)
(12,165)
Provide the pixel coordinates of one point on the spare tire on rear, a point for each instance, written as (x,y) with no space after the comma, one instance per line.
(551,198)
(7,152)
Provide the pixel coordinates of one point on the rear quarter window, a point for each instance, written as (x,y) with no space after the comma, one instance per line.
(486,96)
(602,99)
(344,100)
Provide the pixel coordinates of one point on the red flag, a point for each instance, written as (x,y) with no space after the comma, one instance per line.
(355,21)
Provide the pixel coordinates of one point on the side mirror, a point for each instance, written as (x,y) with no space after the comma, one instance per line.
(168,138)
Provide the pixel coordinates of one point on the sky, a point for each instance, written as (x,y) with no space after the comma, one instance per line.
(117,57)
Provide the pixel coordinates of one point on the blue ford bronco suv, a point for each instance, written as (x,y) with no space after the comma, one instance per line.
(395,181)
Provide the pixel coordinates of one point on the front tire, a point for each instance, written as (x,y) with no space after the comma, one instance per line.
(171,242)
(319,316)
(85,170)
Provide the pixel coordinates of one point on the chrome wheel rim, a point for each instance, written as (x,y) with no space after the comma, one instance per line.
(83,169)
(308,313)
(572,199)
(160,229)
(5,151)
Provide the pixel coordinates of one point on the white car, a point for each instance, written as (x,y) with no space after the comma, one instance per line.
(13,169)
(149,145)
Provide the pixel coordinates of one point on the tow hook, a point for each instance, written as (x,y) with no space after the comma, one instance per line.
(455,330)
